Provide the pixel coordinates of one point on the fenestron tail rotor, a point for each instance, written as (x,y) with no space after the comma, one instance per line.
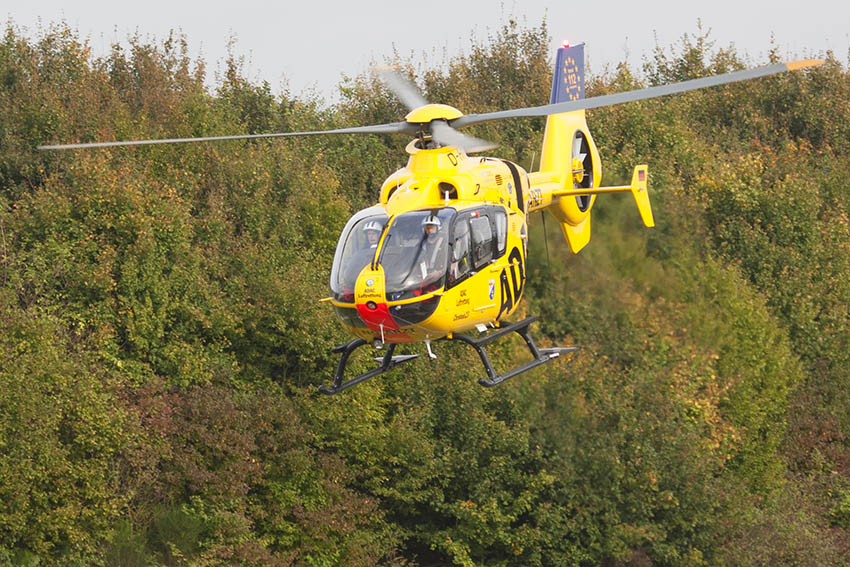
(582,169)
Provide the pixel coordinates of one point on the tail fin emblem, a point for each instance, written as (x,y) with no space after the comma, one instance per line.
(568,83)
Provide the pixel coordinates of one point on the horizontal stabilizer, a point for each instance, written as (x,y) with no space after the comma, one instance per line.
(638,189)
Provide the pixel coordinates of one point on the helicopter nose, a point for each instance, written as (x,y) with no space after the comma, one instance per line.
(377,316)
(370,299)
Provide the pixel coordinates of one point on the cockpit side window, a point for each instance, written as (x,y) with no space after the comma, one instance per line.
(461,263)
(356,248)
(500,226)
(482,239)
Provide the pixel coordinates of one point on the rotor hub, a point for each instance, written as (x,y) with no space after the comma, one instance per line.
(578,171)
(427,113)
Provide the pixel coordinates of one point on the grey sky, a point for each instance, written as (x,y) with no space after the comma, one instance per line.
(312,44)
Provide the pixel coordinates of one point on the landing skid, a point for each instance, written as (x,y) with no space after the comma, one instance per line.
(541,355)
(388,361)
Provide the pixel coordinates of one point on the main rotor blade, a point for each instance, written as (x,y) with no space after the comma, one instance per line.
(448,136)
(406,91)
(630,96)
(395,128)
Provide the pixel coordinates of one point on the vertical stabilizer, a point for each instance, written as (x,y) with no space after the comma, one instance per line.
(568,83)
(570,175)
(569,159)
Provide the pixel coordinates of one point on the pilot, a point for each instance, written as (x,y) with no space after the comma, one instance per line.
(364,251)
(431,255)
(372,229)
(433,239)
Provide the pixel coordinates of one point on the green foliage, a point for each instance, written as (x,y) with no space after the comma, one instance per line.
(59,433)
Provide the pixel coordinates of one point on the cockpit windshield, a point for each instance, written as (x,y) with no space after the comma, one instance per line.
(415,253)
(355,249)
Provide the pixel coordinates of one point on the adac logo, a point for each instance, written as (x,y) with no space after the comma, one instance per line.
(370,282)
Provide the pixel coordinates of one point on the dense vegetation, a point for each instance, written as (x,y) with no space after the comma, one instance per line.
(162,338)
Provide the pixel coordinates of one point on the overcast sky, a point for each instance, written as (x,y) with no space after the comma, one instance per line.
(303,44)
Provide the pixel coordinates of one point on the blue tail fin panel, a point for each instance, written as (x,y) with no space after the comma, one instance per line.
(568,83)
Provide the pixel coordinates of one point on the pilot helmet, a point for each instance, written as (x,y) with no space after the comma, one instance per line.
(432,221)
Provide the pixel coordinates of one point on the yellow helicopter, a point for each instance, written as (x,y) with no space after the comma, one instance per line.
(442,253)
